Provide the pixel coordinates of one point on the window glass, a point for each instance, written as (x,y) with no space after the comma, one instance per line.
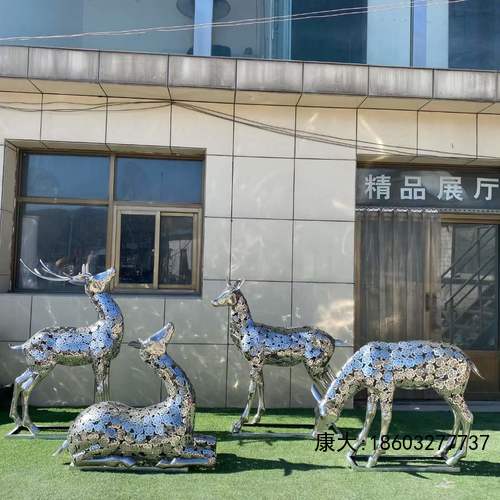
(64,17)
(137,243)
(474,35)
(322,38)
(176,250)
(64,237)
(158,180)
(65,176)
(155,244)
(469,290)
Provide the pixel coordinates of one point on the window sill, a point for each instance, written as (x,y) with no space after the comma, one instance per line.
(116,293)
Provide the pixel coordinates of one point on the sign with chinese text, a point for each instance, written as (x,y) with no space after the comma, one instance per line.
(433,188)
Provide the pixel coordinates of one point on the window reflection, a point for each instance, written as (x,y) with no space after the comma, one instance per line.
(34,17)
(469,292)
(65,176)
(474,35)
(169,181)
(64,237)
(137,243)
(405,33)
(176,250)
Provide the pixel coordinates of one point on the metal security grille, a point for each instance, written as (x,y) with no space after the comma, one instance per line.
(469,285)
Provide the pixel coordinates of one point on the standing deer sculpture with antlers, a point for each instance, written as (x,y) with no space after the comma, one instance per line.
(268,345)
(96,344)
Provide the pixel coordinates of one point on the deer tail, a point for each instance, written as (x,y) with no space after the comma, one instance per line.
(61,448)
(475,369)
(16,347)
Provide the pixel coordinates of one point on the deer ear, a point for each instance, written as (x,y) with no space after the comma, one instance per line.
(239,284)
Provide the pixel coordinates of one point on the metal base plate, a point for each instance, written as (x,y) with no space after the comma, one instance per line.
(135,468)
(280,435)
(273,435)
(53,432)
(404,465)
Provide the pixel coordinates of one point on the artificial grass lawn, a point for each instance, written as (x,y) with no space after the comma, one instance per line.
(257,468)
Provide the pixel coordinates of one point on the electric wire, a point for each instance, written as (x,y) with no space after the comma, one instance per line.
(345,142)
(330,13)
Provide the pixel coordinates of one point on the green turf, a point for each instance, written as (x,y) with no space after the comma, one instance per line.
(254,469)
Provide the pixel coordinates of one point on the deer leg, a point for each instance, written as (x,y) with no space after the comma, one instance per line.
(386,413)
(371,410)
(190,455)
(443,451)
(106,461)
(260,394)
(466,420)
(14,414)
(101,374)
(27,388)
(92,457)
(254,371)
(107,395)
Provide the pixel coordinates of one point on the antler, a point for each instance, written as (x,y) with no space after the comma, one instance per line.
(46,268)
(55,277)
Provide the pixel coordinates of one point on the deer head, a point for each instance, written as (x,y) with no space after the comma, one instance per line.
(228,296)
(156,345)
(93,283)
(325,414)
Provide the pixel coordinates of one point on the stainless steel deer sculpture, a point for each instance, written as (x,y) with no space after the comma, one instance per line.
(381,367)
(112,434)
(268,345)
(96,344)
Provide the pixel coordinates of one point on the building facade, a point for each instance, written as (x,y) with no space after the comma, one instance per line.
(351,190)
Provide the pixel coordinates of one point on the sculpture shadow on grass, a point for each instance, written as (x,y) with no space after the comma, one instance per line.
(229,463)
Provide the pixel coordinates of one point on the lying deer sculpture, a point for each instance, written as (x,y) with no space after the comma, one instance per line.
(268,345)
(96,344)
(112,434)
(381,367)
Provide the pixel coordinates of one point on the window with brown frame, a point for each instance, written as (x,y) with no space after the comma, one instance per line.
(141,214)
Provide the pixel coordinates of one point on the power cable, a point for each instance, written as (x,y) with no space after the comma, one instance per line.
(355,144)
(241,22)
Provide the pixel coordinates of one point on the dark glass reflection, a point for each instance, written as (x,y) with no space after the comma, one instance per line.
(137,248)
(469,292)
(64,237)
(321,38)
(474,35)
(50,17)
(176,250)
(158,180)
(65,176)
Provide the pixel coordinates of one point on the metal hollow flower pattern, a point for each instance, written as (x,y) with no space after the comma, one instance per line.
(268,345)
(114,434)
(381,367)
(94,345)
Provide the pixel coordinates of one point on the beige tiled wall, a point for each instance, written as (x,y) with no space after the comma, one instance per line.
(279,212)
(73,118)
(145,123)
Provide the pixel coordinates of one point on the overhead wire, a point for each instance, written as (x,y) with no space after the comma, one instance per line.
(345,142)
(330,13)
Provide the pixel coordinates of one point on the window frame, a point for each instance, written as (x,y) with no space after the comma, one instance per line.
(114,206)
(157,211)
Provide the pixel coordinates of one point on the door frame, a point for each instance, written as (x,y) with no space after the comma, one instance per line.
(485,359)
(491,358)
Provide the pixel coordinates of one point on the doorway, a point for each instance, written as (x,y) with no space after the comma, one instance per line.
(425,275)
(469,296)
